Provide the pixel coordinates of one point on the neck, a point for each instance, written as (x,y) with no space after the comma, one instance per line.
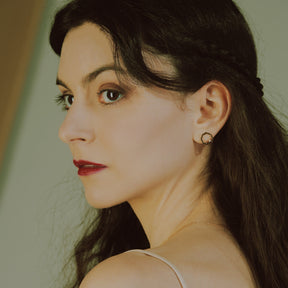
(165,212)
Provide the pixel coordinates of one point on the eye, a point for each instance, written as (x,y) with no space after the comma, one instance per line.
(66,100)
(110,96)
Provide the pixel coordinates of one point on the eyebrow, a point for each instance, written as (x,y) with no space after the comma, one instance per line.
(93,75)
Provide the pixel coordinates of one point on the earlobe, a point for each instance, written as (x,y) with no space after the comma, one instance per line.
(214,110)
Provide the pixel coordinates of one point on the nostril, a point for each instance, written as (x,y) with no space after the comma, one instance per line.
(77,127)
(78,139)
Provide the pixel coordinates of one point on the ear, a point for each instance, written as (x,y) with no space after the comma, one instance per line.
(213,107)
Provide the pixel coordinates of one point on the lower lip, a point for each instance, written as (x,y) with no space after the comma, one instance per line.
(85,171)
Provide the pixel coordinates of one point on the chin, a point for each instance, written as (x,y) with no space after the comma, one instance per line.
(100,200)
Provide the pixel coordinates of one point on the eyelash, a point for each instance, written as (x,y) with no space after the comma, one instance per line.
(61,99)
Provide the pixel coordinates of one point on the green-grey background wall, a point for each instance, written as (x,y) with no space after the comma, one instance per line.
(39,195)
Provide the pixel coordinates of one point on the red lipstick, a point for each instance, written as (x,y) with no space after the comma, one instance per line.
(87,168)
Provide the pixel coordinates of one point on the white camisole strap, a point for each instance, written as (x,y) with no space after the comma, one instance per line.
(149,253)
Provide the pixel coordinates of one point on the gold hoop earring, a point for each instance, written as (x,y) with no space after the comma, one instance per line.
(207,138)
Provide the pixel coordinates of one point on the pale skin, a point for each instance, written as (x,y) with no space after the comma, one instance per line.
(150,142)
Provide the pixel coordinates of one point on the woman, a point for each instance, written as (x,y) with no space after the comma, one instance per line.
(174,145)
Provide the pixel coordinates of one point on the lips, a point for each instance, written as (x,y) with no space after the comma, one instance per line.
(86,168)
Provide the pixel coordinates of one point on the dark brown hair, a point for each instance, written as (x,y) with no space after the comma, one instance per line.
(247,169)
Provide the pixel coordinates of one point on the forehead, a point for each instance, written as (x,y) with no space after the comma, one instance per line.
(85,47)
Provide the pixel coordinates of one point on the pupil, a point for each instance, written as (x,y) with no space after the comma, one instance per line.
(70,100)
(112,95)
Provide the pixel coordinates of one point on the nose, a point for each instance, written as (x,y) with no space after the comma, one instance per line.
(77,126)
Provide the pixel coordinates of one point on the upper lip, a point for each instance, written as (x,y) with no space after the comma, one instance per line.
(81,163)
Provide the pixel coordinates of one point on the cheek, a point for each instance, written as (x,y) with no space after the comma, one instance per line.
(150,137)
(144,149)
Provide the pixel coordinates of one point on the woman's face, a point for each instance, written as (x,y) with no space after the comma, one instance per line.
(140,134)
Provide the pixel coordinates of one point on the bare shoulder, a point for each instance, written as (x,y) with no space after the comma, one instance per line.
(209,259)
(202,259)
(117,271)
(129,270)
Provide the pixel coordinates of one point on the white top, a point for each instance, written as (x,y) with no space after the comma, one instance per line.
(175,270)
